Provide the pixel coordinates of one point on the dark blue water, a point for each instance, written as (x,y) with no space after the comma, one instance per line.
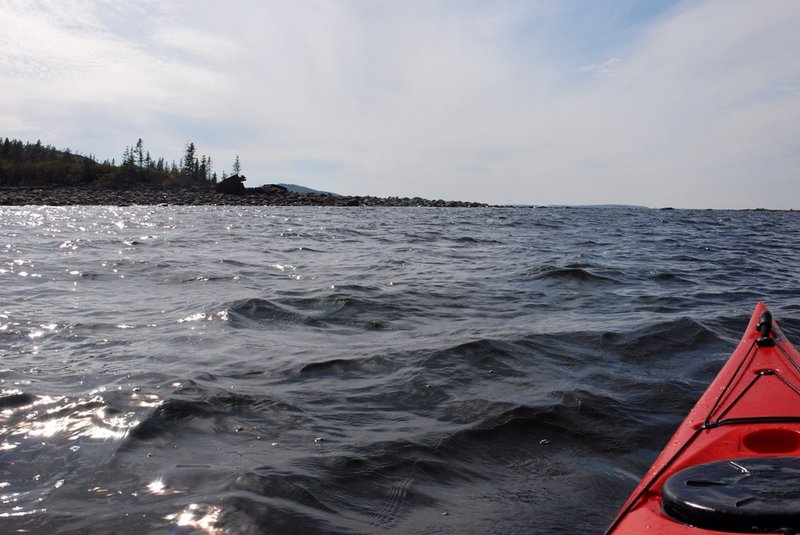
(288,370)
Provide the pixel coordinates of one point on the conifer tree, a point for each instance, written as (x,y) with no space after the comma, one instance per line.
(201,169)
(209,168)
(189,161)
(140,153)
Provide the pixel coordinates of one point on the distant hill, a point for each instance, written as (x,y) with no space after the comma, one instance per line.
(302,189)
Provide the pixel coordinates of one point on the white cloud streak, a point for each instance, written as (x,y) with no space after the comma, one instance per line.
(439,99)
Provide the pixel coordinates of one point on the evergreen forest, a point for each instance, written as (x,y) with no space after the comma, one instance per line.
(25,164)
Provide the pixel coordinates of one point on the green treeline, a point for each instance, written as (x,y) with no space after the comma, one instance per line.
(27,164)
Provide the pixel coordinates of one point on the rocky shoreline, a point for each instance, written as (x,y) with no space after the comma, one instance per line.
(64,196)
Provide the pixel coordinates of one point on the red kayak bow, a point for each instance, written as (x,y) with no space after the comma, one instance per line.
(733,465)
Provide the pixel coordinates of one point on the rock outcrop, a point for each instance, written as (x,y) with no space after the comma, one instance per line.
(263,196)
(233,185)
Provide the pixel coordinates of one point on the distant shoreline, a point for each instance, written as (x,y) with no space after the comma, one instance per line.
(68,196)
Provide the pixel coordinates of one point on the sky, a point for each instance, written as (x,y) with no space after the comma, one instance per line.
(690,104)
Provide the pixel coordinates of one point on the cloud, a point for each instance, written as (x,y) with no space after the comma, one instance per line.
(609,66)
(701,109)
(498,102)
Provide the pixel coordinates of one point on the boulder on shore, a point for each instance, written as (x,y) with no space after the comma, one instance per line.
(274,189)
(232,185)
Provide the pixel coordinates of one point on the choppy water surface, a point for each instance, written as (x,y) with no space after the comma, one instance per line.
(282,370)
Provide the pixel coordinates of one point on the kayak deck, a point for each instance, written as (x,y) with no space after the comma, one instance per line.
(751,413)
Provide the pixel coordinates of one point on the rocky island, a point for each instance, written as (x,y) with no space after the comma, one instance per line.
(37,174)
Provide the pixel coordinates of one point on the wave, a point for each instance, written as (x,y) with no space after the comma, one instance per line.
(660,338)
(671,278)
(316,312)
(340,366)
(573,273)
(198,408)
(15,399)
